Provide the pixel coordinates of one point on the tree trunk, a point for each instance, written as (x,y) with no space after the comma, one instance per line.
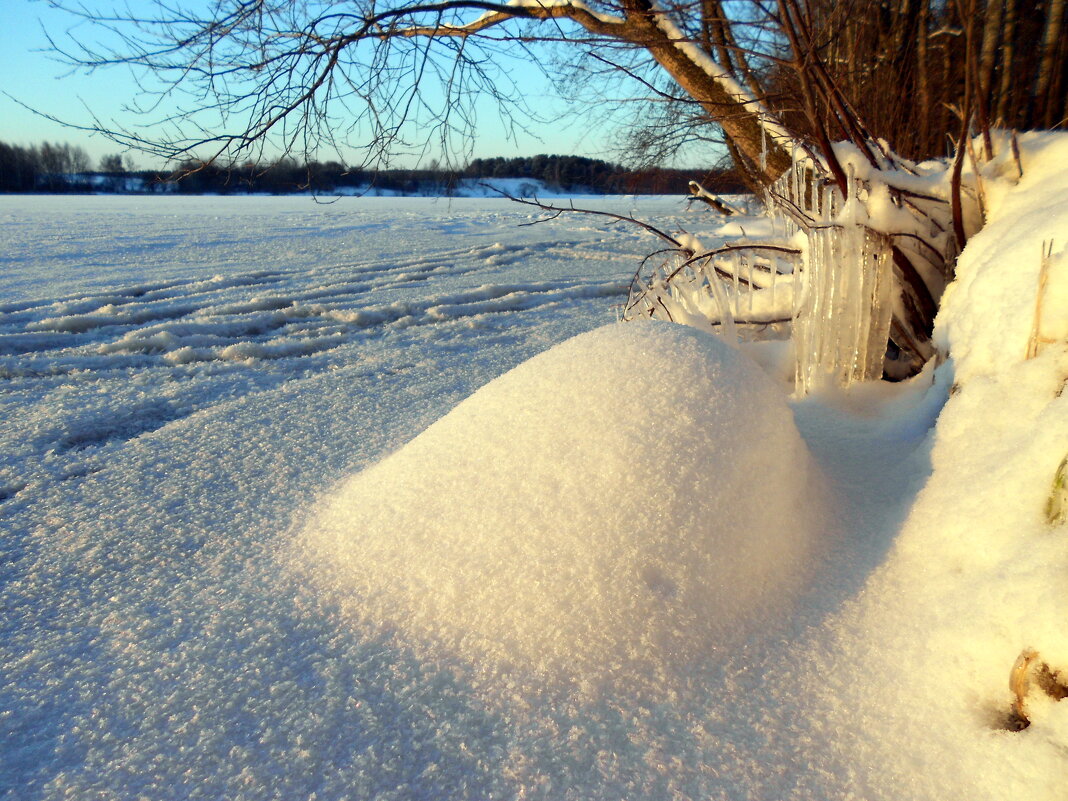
(923,79)
(1006,112)
(744,120)
(984,85)
(1044,104)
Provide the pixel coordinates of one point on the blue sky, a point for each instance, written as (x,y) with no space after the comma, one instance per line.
(35,77)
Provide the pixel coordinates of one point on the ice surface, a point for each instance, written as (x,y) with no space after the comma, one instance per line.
(621,507)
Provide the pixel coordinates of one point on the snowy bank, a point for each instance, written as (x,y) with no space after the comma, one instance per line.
(916,677)
(491,538)
(620,507)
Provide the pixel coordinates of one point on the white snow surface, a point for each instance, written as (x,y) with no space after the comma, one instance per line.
(217,411)
(608,511)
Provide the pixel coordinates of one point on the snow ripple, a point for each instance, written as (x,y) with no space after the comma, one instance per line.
(87,373)
(296,315)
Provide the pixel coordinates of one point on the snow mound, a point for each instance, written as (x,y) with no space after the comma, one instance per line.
(623,504)
(990,311)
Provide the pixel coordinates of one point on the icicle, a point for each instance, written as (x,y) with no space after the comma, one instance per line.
(771,282)
(727,329)
(817,196)
(843,317)
(851,192)
(752,286)
(763,145)
(881,305)
(735,284)
(795,196)
(796,183)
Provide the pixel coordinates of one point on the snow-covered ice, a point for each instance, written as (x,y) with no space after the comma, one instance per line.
(210,409)
(611,509)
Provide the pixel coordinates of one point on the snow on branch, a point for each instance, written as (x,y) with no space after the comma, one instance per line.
(494,14)
(698,192)
(743,97)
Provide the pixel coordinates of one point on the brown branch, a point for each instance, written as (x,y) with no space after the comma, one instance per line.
(573,208)
(955,179)
(709,254)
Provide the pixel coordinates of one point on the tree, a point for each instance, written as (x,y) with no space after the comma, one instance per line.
(303,79)
(780,81)
(19,168)
(54,158)
(78,159)
(112,163)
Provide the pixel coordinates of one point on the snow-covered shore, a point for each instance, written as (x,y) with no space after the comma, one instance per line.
(204,597)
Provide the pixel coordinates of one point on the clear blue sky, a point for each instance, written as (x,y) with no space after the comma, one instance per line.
(35,77)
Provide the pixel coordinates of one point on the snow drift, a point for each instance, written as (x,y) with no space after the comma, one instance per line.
(623,504)
(976,576)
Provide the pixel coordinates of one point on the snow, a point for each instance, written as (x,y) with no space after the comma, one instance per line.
(222,418)
(990,309)
(608,511)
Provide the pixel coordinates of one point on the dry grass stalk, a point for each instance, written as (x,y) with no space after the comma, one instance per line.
(1016,153)
(1035,340)
(980,190)
(1057,502)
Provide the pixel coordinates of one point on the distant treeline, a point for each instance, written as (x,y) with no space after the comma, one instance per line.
(40,168)
(64,168)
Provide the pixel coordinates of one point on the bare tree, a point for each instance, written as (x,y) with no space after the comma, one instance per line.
(54,158)
(250,69)
(112,163)
(780,82)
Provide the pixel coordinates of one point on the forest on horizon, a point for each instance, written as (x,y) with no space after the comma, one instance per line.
(63,168)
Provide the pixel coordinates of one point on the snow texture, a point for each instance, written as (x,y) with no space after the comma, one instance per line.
(623,505)
(178,624)
(986,320)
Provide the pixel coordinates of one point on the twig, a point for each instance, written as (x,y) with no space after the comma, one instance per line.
(1016,153)
(1019,684)
(980,192)
(637,278)
(708,254)
(955,183)
(573,208)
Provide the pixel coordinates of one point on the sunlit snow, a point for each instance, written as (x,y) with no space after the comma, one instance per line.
(619,507)
(373,500)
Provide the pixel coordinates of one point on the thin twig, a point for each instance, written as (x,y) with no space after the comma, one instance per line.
(1016,153)
(573,208)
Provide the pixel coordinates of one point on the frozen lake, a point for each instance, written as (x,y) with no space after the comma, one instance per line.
(182,377)
(122,315)
(229,569)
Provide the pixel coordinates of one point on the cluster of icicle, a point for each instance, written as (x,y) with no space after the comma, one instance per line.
(843,309)
(827,279)
(738,291)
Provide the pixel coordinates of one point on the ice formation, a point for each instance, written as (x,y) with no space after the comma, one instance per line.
(625,503)
(844,309)
(830,277)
